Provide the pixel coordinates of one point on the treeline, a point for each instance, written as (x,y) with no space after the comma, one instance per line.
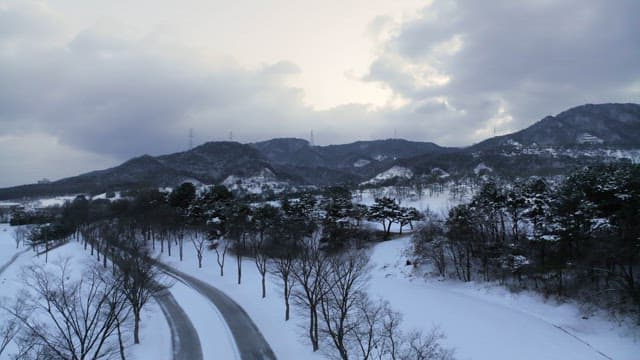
(315,244)
(579,238)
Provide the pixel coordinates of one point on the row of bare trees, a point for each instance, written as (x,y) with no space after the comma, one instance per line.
(65,314)
(84,313)
(330,291)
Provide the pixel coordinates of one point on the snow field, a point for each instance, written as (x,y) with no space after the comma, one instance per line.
(287,338)
(155,338)
(7,244)
(484,322)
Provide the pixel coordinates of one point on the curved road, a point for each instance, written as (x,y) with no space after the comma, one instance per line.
(251,344)
(184,337)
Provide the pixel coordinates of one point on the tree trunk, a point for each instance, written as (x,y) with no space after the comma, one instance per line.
(120,343)
(286,301)
(239,261)
(136,327)
(313,327)
(264,288)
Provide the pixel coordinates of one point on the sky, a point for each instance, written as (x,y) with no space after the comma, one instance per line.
(87,84)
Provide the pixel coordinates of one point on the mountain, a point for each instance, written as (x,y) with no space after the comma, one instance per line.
(345,164)
(293,161)
(208,163)
(580,136)
(297,152)
(613,125)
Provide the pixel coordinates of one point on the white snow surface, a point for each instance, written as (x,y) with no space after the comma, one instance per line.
(438,201)
(481,321)
(393,172)
(155,338)
(7,243)
(480,167)
(215,337)
(257,184)
(287,339)
(487,322)
(361,163)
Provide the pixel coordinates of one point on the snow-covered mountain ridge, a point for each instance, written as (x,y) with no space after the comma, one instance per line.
(581,136)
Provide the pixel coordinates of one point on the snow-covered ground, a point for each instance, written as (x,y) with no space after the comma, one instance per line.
(437,201)
(7,243)
(286,338)
(391,173)
(480,321)
(487,322)
(215,338)
(155,335)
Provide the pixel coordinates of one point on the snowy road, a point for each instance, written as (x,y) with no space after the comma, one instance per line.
(250,342)
(13,258)
(184,337)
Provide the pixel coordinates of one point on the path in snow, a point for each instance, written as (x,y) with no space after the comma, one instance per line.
(248,338)
(184,337)
(13,258)
(480,328)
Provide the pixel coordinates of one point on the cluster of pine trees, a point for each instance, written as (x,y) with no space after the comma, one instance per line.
(579,237)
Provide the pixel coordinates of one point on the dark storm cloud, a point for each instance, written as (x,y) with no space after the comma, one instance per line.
(108,94)
(528,58)
(461,69)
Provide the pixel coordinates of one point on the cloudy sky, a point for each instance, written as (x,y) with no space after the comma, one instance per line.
(86,84)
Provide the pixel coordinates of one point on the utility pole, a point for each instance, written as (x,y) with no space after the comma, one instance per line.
(190,138)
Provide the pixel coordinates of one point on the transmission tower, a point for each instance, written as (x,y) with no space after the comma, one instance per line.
(230,135)
(190,138)
(311,140)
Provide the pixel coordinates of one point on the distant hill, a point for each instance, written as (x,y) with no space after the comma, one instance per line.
(603,125)
(580,136)
(584,135)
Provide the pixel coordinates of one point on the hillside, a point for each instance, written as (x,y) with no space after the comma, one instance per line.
(583,135)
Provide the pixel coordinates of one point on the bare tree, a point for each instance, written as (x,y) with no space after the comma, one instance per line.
(282,266)
(344,283)
(377,335)
(260,257)
(10,327)
(309,272)
(365,339)
(66,318)
(220,246)
(139,277)
(429,243)
(198,240)
(20,235)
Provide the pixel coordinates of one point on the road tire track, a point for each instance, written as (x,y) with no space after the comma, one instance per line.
(249,340)
(185,341)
